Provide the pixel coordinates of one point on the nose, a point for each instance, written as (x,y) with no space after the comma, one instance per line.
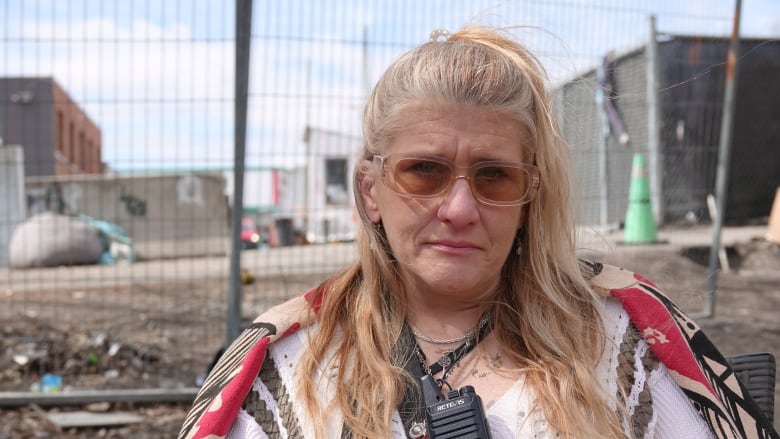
(459,206)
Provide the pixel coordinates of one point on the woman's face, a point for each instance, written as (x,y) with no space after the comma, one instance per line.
(451,246)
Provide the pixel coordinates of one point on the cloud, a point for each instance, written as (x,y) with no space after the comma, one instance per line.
(159,80)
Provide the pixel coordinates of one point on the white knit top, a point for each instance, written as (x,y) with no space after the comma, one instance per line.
(512,416)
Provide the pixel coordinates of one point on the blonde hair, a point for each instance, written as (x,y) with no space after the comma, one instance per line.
(545,314)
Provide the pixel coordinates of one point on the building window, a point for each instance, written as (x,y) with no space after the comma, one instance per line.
(60,132)
(71,143)
(90,158)
(336,182)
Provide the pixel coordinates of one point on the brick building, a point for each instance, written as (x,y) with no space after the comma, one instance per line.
(58,136)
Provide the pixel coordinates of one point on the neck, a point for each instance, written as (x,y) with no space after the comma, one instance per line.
(446,304)
(444,323)
(444,314)
(449,360)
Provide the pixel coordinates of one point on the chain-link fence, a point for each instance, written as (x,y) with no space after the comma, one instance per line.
(118,151)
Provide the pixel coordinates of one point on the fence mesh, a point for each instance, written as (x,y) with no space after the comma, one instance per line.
(119,115)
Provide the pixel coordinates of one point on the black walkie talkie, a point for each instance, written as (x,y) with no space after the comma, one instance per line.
(460,415)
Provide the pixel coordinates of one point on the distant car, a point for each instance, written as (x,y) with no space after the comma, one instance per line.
(251,235)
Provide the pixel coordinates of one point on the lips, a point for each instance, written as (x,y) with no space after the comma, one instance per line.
(453,246)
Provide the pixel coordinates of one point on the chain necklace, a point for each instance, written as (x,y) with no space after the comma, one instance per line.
(440,341)
(450,360)
(470,334)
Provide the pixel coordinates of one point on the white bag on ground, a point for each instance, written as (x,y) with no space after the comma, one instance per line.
(49,240)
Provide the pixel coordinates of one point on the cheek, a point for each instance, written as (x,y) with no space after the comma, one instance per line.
(503,227)
(403,217)
(392,205)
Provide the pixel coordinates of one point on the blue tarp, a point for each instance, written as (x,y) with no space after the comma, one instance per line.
(117,244)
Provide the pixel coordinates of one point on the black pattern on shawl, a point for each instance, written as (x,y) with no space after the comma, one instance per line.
(626,372)
(590,269)
(221,374)
(269,375)
(719,373)
(265,418)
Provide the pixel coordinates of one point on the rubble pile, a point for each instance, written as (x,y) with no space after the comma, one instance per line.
(31,348)
(759,256)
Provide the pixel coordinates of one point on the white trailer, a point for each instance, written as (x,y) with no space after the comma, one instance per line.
(329,213)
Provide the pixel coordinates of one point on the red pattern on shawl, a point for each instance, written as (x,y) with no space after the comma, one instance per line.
(314,296)
(648,313)
(218,417)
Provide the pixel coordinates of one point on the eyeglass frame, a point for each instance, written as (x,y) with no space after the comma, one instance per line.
(382,162)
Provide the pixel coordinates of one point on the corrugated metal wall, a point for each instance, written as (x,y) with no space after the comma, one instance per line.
(690,98)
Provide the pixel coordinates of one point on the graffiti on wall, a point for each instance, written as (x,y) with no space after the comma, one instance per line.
(134,206)
(55,197)
(189,190)
(67,199)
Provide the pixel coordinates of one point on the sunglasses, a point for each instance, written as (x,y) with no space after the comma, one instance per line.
(492,182)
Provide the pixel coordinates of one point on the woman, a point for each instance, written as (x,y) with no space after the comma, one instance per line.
(468,275)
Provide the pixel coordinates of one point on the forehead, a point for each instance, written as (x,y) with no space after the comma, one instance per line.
(473,132)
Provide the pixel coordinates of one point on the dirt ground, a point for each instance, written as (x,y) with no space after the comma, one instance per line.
(115,351)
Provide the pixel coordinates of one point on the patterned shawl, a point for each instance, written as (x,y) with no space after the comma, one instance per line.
(695,364)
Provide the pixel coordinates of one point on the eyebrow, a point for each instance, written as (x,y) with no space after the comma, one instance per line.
(472,161)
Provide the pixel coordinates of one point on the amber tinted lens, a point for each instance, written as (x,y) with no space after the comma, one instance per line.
(497,183)
(418,176)
(501,183)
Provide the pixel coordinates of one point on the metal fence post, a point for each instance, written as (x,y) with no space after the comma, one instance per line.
(724,155)
(654,123)
(243,40)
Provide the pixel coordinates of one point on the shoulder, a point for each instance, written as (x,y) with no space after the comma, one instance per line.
(648,307)
(680,349)
(227,385)
(287,317)
(625,285)
(604,277)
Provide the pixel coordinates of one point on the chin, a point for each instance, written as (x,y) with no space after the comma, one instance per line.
(456,283)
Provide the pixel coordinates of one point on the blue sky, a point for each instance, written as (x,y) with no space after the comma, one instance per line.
(157,76)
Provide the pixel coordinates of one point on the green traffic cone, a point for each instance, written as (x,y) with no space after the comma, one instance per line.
(639,227)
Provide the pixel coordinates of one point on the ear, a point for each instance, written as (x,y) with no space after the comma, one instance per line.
(368,189)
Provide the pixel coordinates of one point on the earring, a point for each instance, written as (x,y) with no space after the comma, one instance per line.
(519,241)
(377,232)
